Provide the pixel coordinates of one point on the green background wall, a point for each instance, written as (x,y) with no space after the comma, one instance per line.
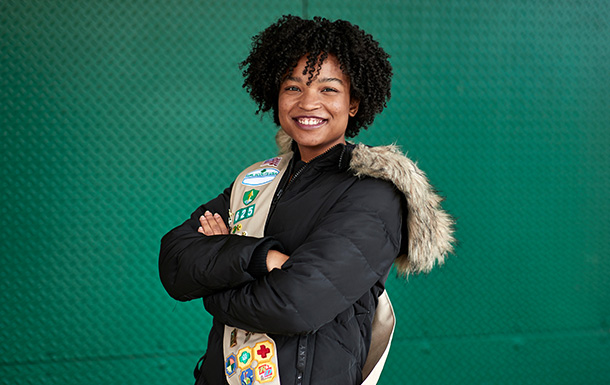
(120,117)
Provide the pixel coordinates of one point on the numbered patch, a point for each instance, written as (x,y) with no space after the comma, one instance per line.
(244,213)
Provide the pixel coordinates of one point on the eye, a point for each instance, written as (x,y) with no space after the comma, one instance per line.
(291,88)
(329,89)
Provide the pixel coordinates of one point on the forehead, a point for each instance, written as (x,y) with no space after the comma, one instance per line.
(330,69)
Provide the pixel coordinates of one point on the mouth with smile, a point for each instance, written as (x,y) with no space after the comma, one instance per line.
(309,122)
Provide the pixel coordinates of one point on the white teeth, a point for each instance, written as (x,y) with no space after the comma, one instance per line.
(310,121)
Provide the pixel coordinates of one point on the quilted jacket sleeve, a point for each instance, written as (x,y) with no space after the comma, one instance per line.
(192,265)
(350,249)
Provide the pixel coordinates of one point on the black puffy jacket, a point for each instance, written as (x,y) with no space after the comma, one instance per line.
(342,233)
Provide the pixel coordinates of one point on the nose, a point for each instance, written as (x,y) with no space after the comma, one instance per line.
(309,100)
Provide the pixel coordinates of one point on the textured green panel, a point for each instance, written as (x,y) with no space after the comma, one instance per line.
(505,104)
(145,369)
(119,118)
(572,358)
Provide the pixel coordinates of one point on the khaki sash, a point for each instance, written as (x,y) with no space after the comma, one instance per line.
(384,324)
(251,358)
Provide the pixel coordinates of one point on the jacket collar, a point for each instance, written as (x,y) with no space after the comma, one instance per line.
(335,158)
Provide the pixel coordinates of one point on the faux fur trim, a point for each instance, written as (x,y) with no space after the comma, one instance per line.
(283,141)
(430,228)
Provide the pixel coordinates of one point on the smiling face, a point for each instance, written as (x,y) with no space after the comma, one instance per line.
(316,115)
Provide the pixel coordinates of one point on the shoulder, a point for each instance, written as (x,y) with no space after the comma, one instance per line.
(429,227)
(375,191)
(374,170)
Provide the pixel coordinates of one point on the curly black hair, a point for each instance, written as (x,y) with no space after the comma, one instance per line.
(277,49)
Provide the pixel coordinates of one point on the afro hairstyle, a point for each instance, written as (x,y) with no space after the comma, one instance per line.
(277,49)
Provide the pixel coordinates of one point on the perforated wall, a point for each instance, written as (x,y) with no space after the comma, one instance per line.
(120,117)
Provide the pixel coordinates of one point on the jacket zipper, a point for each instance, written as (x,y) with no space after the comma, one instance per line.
(301,358)
(280,191)
(303,339)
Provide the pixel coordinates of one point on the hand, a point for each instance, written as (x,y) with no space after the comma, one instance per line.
(212,224)
(276,259)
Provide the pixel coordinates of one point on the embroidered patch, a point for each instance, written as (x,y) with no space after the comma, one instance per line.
(260,177)
(247,377)
(273,162)
(244,357)
(233,338)
(236,229)
(265,372)
(230,218)
(244,213)
(230,365)
(263,351)
(250,196)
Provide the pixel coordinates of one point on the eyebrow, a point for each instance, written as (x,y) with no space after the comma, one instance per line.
(298,79)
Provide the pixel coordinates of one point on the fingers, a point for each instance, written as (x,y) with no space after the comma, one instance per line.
(205,225)
(220,224)
(212,224)
(216,223)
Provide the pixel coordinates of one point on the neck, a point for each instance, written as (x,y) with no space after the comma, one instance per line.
(311,156)
(309,153)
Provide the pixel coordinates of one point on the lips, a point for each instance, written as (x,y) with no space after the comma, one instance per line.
(309,121)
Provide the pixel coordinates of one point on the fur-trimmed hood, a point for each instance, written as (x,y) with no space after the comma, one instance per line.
(429,227)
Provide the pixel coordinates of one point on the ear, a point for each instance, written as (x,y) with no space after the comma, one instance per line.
(353,107)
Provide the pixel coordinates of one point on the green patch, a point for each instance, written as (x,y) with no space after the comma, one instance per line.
(249,196)
(244,213)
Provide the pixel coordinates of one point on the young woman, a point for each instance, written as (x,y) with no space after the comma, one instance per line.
(292,258)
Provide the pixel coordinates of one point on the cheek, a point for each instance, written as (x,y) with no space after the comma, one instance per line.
(341,109)
(283,110)
(283,104)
